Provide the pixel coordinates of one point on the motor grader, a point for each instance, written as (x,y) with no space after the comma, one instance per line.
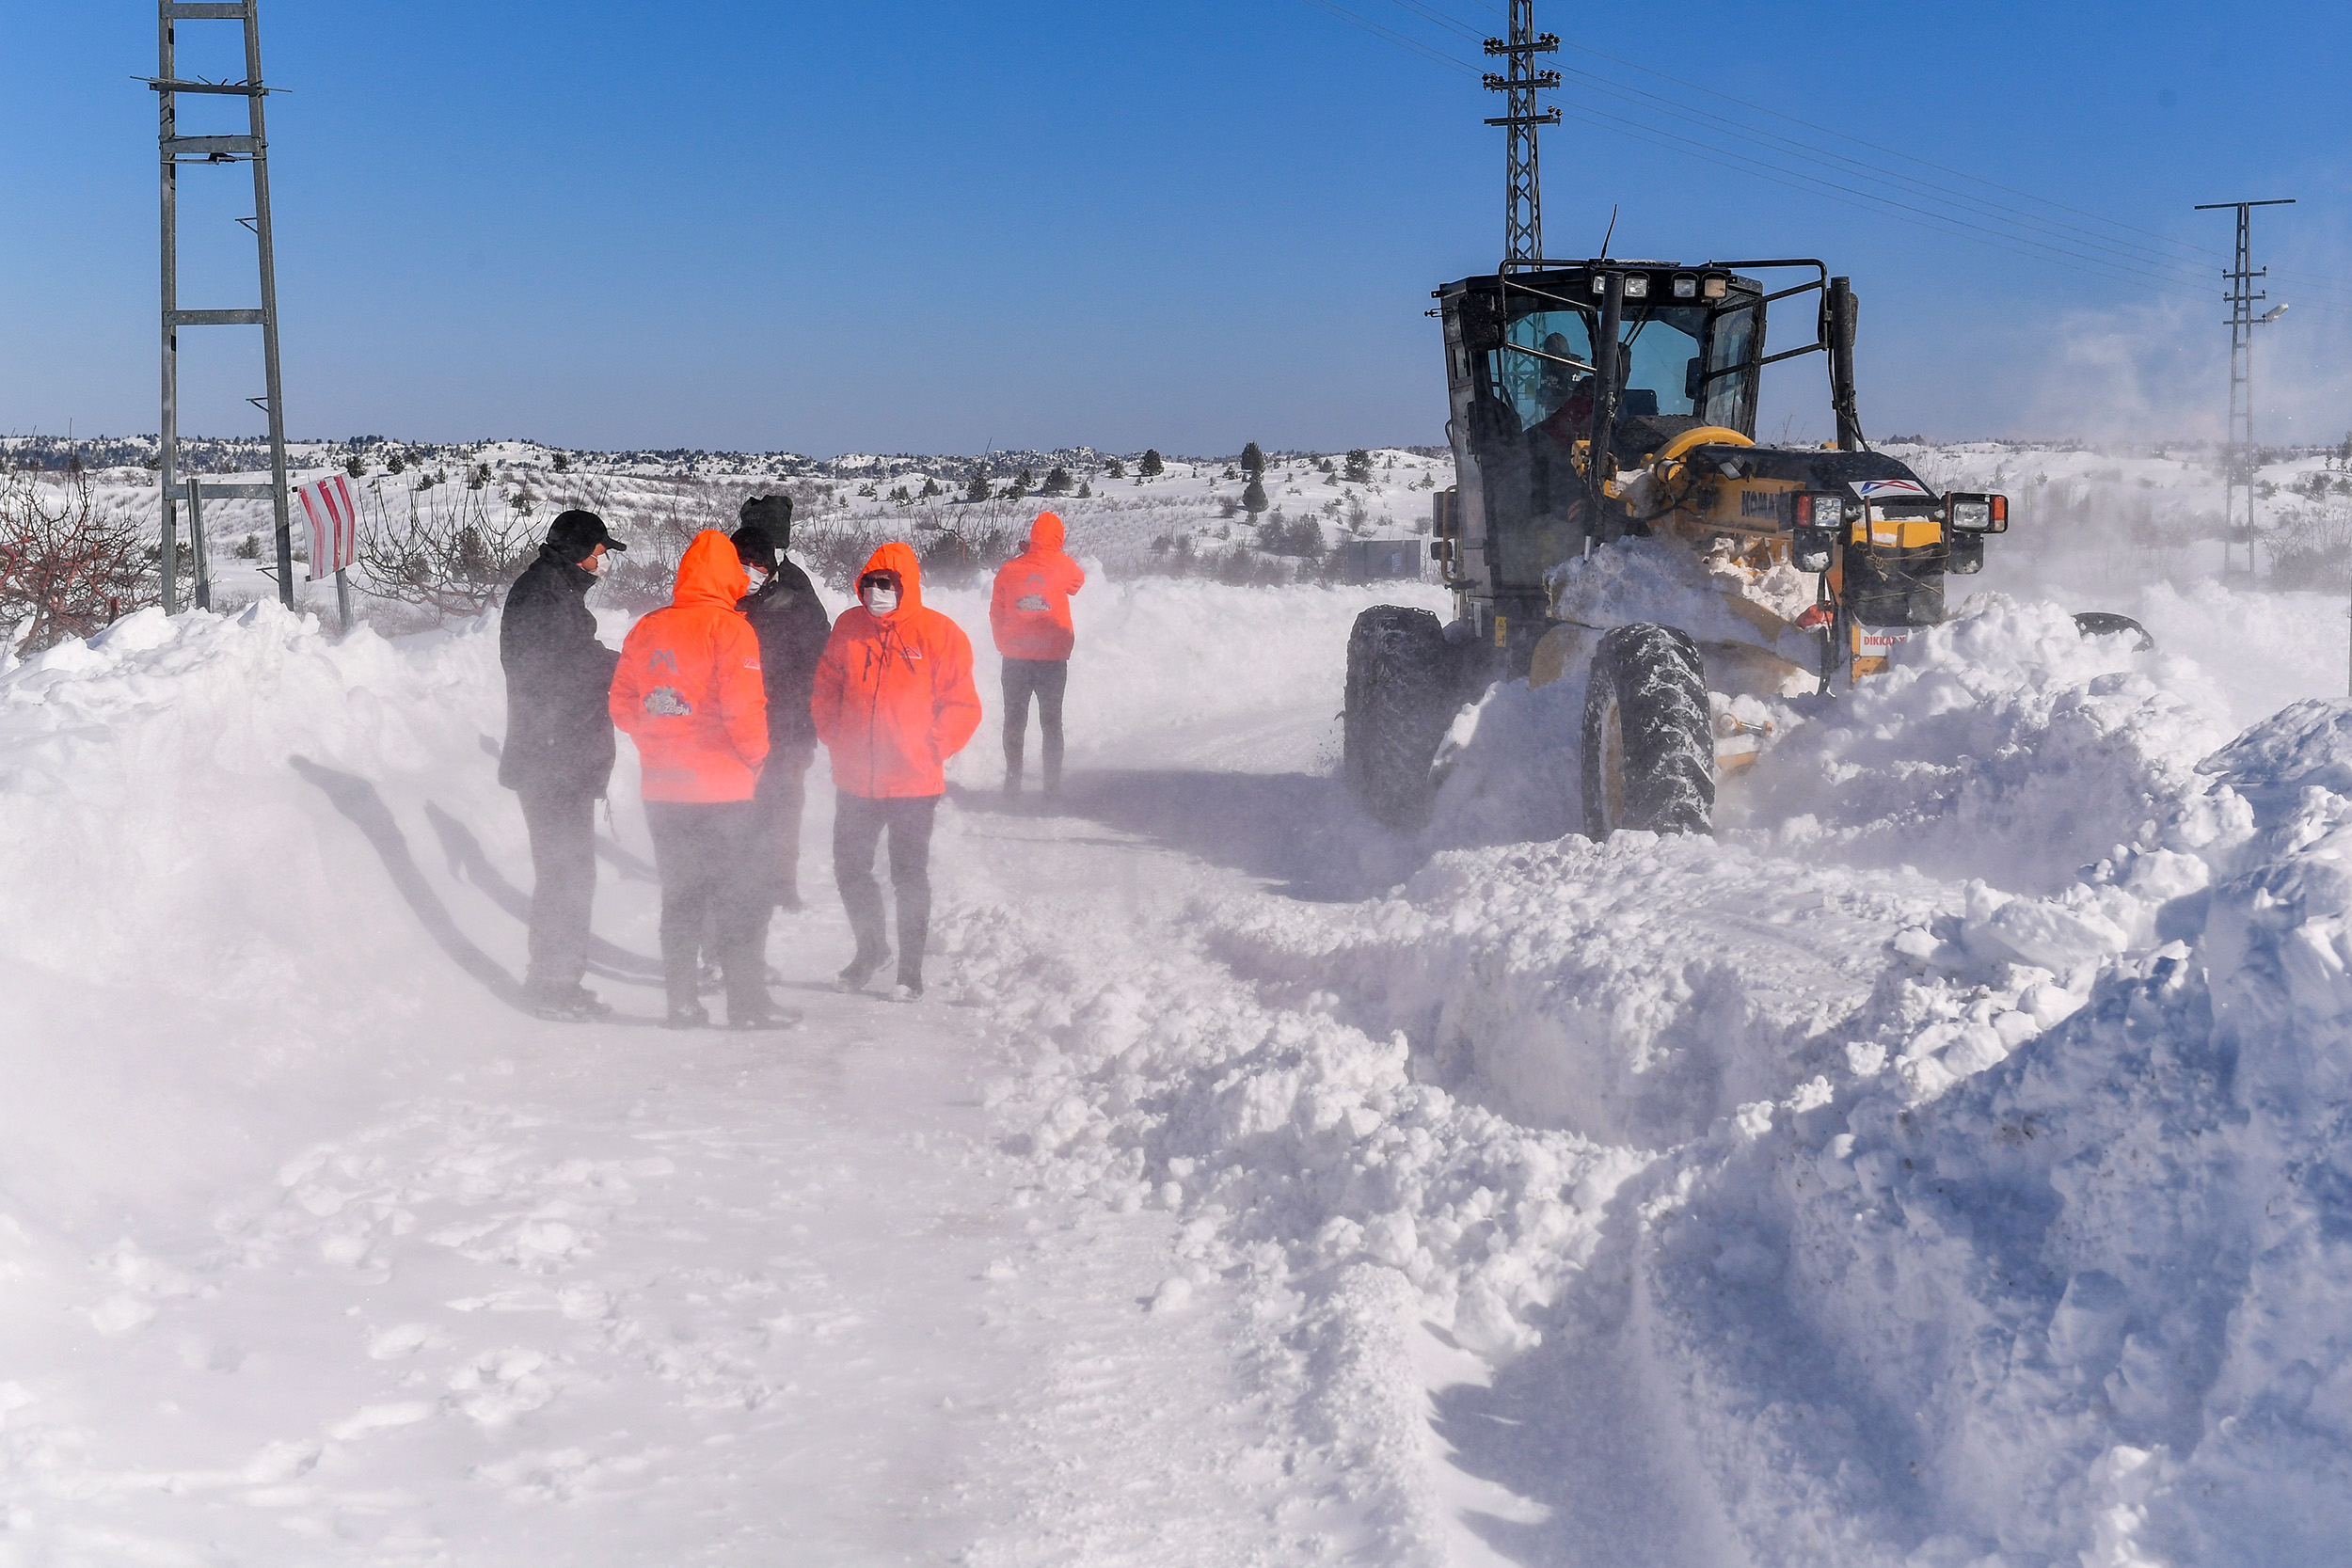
(1598,404)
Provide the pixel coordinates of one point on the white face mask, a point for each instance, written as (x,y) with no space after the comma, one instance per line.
(880,600)
(759,579)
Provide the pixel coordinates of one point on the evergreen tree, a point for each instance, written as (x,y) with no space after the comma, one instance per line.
(1306,538)
(1253,461)
(1359,466)
(931,487)
(978,490)
(1150,467)
(562,464)
(1057,483)
(1113,468)
(1253,496)
(394,462)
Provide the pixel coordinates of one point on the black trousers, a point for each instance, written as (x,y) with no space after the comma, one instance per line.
(776,841)
(708,882)
(1046,679)
(858,823)
(562,829)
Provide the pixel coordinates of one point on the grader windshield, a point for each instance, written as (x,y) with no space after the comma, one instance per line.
(1678,360)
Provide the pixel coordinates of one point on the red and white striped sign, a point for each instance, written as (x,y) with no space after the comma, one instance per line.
(334,525)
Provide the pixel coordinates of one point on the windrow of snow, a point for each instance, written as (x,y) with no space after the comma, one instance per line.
(2002,745)
(1946,1167)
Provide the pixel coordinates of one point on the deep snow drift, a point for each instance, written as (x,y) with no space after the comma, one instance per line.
(1944,1165)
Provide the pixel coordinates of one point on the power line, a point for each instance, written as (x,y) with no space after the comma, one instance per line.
(1829,130)
(1935,207)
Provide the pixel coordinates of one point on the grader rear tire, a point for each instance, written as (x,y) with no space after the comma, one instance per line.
(1397,711)
(1649,742)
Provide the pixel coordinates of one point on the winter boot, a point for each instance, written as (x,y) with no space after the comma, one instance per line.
(572,1003)
(863,968)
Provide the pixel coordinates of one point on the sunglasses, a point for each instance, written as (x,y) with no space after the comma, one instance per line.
(879,580)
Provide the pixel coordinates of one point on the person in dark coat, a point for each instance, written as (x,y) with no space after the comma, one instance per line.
(792,625)
(559,751)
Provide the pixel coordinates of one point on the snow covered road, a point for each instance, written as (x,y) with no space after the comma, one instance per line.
(1856,1187)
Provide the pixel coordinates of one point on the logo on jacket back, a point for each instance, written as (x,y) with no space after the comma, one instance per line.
(1033,602)
(668,703)
(663,659)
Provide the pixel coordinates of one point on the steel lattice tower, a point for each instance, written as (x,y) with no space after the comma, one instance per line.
(1522,202)
(178,151)
(2237,504)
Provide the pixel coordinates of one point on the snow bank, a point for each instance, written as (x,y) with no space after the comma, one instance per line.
(2002,745)
(149,821)
(1948,1172)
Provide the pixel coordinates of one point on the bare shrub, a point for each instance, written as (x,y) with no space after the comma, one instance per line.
(835,556)
(444,550)
(68,567)
(2310,547)
(956,558)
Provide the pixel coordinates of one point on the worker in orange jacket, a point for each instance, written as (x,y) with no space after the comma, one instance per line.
(1029,614)
(894,700)
(688,691)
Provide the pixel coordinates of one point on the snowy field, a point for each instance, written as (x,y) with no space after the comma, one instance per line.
(1944,1166)
(508,491)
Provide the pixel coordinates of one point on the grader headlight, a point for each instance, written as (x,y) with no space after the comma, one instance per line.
(1816,509)
(1975,513)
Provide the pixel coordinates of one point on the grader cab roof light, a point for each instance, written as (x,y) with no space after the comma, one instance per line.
(1686,287)
(1716,286)
(1636,286)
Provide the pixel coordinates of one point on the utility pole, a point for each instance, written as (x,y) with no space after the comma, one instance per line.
(2237,497)
(1522,200)
(176,150)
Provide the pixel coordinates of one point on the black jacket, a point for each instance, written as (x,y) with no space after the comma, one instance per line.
(793,627)
(559,734)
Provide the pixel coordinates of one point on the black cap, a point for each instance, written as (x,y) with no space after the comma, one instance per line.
(753,547)
(773,515)
(574,533)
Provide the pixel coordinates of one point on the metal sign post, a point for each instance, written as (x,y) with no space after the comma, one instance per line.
(176,150)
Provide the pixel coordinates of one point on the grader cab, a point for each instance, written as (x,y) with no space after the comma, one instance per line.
(1614,518)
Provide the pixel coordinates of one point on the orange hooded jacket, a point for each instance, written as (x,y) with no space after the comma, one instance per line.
(1029,612)
(894,698)
(687,687)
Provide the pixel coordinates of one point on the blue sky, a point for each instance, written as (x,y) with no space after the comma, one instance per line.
(934,227)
